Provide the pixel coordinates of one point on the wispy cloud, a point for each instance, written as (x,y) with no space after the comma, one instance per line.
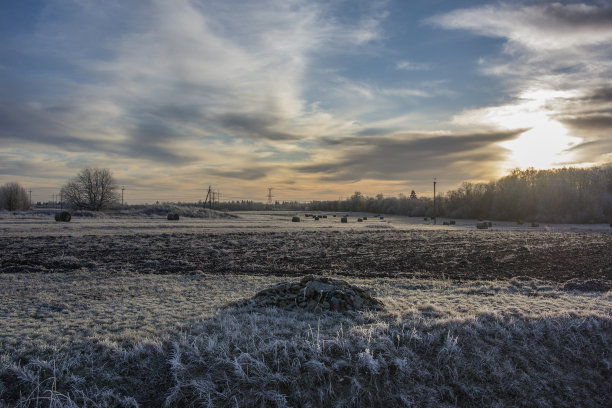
(300,93)
(402,156)
(542,27)
(554,56)
(412,66)
(175,77)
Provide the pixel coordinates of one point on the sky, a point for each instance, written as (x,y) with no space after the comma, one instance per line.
(314,99)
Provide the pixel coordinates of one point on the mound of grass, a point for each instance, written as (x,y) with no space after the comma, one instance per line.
(315,294)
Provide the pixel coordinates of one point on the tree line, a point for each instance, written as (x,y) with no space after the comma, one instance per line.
(566,195)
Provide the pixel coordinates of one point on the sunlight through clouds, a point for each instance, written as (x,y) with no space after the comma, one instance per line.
(544,143)
(543,146)
(327,96)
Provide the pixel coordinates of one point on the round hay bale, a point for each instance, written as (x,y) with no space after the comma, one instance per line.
(316,218)
(359,219)
(452,222)
(382,218)
(446,223)
(365,218)
(173,217)
(344,219)
(324,216)
(295,219)
(63,216)
(482,225)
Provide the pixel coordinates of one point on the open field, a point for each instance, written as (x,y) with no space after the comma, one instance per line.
(129,311)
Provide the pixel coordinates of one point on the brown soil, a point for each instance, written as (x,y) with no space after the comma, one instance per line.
(434,254)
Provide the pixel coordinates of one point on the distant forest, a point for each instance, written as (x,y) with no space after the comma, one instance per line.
(567,195)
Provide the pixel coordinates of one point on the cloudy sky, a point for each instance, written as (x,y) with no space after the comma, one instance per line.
(314,99)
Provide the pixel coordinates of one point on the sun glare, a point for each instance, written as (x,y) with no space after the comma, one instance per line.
(546,143)
(544,146)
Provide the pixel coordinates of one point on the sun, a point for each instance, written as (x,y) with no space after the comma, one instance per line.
(544,146)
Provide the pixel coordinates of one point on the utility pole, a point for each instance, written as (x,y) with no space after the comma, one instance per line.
(208,197)
(122,188)
(30,197)
(434,210)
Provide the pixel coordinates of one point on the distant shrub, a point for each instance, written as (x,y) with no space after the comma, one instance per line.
(13,197)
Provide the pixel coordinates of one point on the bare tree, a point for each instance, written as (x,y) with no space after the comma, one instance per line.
(14,197)
(92,189)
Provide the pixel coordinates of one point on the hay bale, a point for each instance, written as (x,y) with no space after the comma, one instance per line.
(316,218)
(425,219)
(382,218)
(63,216)
(446,223)
(452,222)
(490,224)
(173,217)
(324,216)
(295,219)
(359,219)
(366,218)
(344,220)
(482,225)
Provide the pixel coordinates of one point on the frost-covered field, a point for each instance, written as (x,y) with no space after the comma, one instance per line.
(135,310)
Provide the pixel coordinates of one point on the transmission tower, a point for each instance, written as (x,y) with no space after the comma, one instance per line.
(270,196)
